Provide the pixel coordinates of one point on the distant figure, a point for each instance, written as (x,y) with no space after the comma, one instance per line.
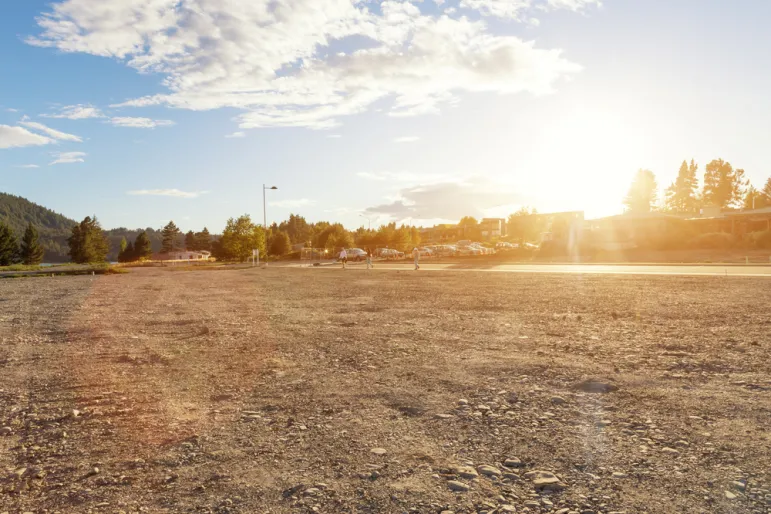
(369,258)
(416,256)
(344,257)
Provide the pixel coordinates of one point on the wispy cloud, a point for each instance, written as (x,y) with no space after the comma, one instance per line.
(59,136)
(406,139)
(334,136)
(77,112)
(125,121)
(300,202)
(28,166)
(236,135)
(167,192)
(11,109)
(15,137)
(68,158)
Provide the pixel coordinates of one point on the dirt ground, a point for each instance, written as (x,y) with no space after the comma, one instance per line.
(317,390)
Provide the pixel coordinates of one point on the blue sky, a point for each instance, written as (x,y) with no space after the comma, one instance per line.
(392,110)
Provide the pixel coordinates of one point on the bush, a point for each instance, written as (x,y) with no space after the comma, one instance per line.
(760,240)
(713,241)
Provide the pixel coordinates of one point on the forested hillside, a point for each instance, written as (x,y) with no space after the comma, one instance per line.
(53,228)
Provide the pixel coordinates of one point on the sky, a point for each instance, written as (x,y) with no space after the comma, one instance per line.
(144,111)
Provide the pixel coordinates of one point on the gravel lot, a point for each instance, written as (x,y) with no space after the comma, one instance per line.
(307,390)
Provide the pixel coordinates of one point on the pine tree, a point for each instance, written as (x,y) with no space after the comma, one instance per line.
(142,247)
(642,193)
(88,242)
(31,251)
(203,240)
(191,244)
(723,185)
(681,195)
(170,235)
(9,247)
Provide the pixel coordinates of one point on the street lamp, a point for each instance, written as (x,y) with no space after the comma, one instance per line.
(368,221)
(264,211)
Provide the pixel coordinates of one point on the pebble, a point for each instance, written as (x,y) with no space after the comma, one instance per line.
(6,431)
(378,451)
(618,474)
(532,504)
(444,416)
(596,385)
(513,462)
(670,451)
(558,400)
(507,508)
(467,472)
(462,402)
(489,471)
(729,495)
(739,486)
(454,485)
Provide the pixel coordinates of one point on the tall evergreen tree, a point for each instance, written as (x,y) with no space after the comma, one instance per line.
(203,240)
(681,195)
(9,247)
(280,245)
(142,247)
(170,235)
(88,242)
(191,244)
(723,185)
(31,252)
(642,193)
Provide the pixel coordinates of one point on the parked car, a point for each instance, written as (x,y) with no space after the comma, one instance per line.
(425,252)
(469,250)
(356,254)
(390,253)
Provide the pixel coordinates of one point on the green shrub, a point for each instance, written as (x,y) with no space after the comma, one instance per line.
(714,240)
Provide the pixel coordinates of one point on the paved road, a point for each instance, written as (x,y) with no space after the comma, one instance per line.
(604,269)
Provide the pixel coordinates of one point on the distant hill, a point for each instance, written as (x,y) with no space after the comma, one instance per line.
(54,228)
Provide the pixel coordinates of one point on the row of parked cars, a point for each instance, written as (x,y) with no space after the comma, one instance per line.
(461,248)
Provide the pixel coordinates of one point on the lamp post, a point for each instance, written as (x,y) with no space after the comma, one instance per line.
(369,221)
(264,211)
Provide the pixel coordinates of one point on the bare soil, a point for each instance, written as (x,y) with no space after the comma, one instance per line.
(319,390)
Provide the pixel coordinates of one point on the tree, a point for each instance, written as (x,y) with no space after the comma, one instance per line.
(240,237)
(142,247)
(525,225)
(9,248)
(470,227)
(123,246)
(88,242)
(681,195)
(280,245)
(31,252)
(191,243)
(642,193)
(203,240)
(723,185)
(170,235)
(127,254)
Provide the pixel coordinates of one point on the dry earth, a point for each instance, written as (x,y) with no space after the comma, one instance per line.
(309,390)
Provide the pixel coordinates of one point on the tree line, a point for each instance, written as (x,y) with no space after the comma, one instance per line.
(29,251)
(723,186)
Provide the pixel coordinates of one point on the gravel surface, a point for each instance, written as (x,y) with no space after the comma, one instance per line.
(302,390)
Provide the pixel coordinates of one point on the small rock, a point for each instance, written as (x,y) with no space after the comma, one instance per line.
(6,431)
(513,462)
(562,511)
(467,472)
(670,451)
(558,400)
(532,504)
(489,471)
(507,508)
(547,503)
(739,486)
(462,402)
(729,495)
(311,491)
(454,485)
(378,451)
(443,416)
(618,474)
(75,413)
(596,385)
(682,443)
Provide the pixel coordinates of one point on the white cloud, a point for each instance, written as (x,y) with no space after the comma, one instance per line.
(334,136)
(406,139)
(68,158)
(11,109)
(236,135)
(517,9)
(301,202)
(167,192)
(59,136)
(273,60)
(125,121)
(472,196)
(14,137)
(28,166)
(77,112)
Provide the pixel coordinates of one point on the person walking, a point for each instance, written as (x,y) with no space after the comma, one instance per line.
(344,257)
(416,256)
(369,258)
